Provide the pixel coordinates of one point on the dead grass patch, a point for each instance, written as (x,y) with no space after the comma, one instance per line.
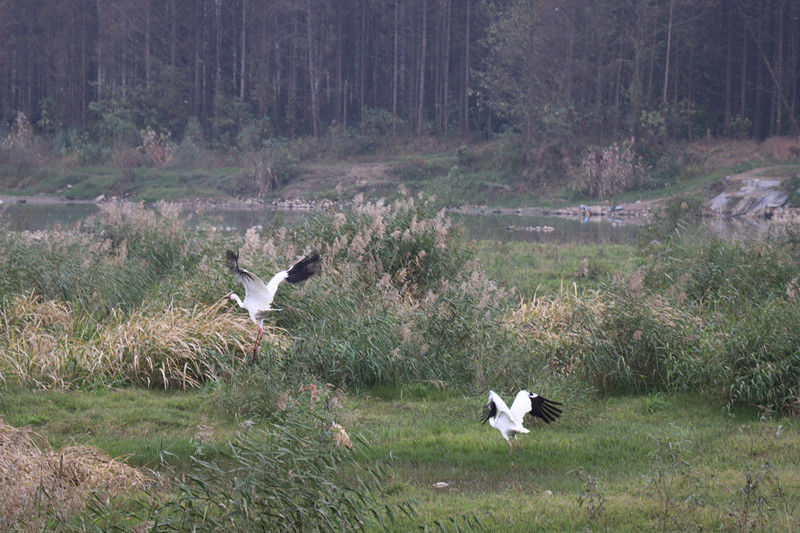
(553,319)
(36,481)
(43,344)
(718,153)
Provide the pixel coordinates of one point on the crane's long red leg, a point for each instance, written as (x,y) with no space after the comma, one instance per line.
(510,448)
(258,343)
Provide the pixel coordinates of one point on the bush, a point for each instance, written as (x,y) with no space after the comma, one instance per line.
(187,154)
(793,187)
(264,171)
(376,121)
(297,474)
(507,154)
(642,344)
(703,315)
(761,356)
(399,299)
(722,275)
(607,171)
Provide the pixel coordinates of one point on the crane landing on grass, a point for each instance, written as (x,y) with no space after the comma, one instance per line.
(258,295)
(509,421)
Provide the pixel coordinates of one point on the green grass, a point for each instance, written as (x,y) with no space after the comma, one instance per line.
(146,184)
(619,444)
(540,268)
(134,423)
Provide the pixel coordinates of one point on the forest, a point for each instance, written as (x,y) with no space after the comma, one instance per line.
(553,71)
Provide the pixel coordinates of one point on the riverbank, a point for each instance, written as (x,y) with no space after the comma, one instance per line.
(727,179)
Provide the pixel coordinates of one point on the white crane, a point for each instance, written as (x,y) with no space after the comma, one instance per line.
(509,421)
(258,295)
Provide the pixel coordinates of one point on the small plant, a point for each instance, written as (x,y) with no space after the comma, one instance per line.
(654,403)
(414,169)
(592,500)
(756,497)
(792,185)
(673,482)
(741,126)
(376,121)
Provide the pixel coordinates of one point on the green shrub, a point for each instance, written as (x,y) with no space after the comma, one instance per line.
(507,155)
(376,122)
(187,154)
(793,187)
(723,274)
(128,254)
(641,343)
(707,315)
(761,353)
(412,169)
(289,476)
(266,170)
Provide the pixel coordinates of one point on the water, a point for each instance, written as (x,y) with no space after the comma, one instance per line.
(37,214)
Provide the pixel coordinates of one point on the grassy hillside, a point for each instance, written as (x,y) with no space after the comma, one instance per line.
(488,173)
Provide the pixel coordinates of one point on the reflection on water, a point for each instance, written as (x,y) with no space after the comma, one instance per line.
(35,215)
(40,215)
(501,227)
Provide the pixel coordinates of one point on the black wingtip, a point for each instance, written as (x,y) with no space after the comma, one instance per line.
(489,410)
(545,409)
(304,269)
(233,259)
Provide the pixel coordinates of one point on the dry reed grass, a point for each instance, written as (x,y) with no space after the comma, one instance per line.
(36,481)
(554,320)
(43,344)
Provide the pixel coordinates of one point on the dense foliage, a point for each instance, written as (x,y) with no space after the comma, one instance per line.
(248,70)
(137,298)
(705,315)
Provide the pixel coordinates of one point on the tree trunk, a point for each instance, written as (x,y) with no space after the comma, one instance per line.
(446,96)
(242,74)
(147,43)
(173,34)
(465,96)
(669,48)
(395,69)
(313,76)
(728,75)
(421,99)
(743,88)
(362,72)
(218,50)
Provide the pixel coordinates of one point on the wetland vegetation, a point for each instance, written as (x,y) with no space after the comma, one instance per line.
(128,401)
(676,359)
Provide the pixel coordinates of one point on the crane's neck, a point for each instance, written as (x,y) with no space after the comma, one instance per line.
(237,300)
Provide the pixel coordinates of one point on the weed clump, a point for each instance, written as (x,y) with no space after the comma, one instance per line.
(607,171)
(37,483)
(703,315)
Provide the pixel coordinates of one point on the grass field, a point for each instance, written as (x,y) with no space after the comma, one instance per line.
(413,325)
(547,267)
(624,463)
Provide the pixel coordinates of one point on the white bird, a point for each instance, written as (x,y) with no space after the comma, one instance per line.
(258,295)
(509,421)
